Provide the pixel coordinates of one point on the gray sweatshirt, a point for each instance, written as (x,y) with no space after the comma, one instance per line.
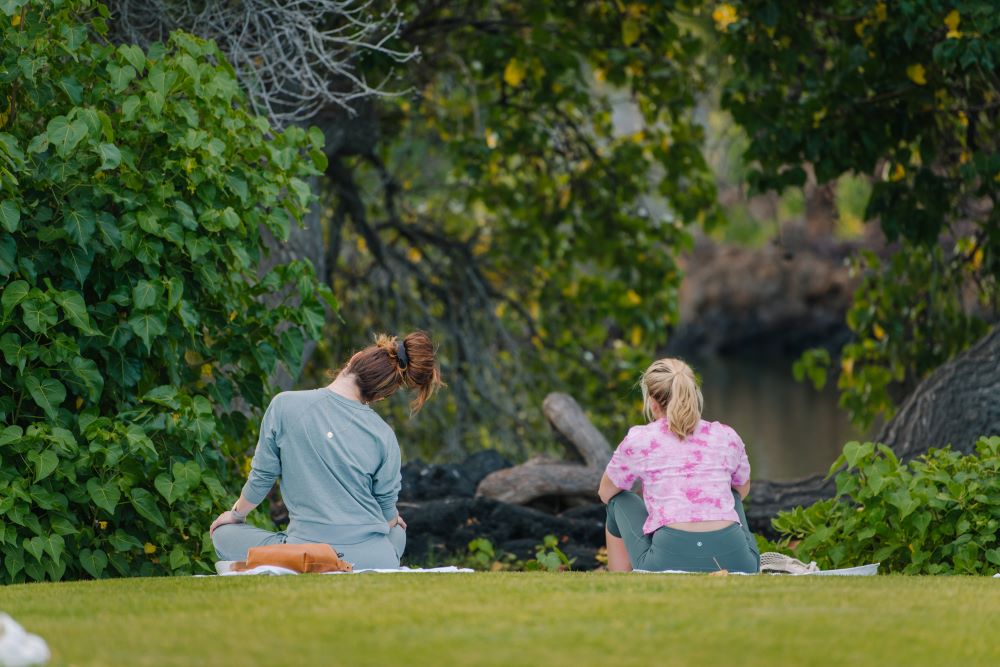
(338,462)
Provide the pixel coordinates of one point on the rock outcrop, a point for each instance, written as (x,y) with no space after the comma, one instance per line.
(778,298)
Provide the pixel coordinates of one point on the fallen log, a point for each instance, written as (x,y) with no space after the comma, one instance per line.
(540,477)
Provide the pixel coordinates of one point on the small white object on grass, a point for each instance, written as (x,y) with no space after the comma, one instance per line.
(19,648)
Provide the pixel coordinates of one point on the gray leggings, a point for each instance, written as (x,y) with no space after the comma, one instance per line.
(733,548)
(233,540)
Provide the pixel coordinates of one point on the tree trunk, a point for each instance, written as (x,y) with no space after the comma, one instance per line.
(568,419)
(956,404)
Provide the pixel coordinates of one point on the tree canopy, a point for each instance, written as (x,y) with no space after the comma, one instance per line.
(906,93)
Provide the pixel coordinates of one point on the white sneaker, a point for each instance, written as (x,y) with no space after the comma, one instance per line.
(776,563)
(19,648)
(224,566)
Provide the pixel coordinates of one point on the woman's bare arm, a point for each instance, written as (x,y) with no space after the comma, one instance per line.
(242,507)
(743,489)
(607,490)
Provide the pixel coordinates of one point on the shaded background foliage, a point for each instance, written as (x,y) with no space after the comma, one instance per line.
(136,338)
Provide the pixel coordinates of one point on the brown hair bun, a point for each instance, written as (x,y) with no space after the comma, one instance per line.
(390,363)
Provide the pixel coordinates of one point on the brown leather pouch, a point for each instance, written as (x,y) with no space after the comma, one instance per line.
(299,557)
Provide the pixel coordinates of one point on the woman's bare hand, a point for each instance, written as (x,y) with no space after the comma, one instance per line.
(223,519)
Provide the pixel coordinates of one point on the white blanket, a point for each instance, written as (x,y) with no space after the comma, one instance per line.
(860,571)
(273,570)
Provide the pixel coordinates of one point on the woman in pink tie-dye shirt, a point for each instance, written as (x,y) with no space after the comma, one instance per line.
(694,476)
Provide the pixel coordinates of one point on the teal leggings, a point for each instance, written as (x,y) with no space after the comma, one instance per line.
(233,540)
(732,548)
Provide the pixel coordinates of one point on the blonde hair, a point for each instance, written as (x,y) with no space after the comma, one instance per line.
(671,384)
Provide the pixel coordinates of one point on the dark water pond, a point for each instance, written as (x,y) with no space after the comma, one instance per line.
(790,429)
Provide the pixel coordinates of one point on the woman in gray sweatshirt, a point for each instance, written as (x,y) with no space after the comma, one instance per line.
(337,459)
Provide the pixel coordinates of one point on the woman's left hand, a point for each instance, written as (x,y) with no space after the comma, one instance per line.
(398,521)
(223,519)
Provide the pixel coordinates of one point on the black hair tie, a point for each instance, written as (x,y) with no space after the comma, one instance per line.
(404,360)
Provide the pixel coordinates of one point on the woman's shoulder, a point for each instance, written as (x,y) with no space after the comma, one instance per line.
(290,397)
(717,430)
(653,429)
(293,402)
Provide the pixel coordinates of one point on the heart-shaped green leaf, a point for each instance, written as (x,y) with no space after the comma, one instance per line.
(145,504)
(167,487)
(65,135)
(94,562)
(75,309)
(147,326)
(187,475)
(123,542)
(10,215)
(8,253)
(104,494)
(145,294)
(110,156)
(79,225)
(178,558)
(121,76)
(46,464)
(164,395)
(54,545)
(34,546)
(13,294)
(48,393)
(39,315)
(87,377)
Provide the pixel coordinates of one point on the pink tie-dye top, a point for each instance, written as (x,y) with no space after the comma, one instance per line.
(682,480)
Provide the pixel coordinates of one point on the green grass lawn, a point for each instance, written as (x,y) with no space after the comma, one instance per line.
(514,619)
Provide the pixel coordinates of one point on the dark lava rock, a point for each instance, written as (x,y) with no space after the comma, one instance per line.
(448,525)
(593,512)
(423,481)
(443,515)
(481,464)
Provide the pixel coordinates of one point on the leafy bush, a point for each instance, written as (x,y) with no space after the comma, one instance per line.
(548,556)
(137,337)
(482,555)
(937,514)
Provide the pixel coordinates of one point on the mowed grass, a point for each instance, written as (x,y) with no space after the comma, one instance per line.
(514,619)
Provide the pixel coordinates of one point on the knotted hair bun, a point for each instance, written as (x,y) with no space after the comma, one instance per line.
(390,363)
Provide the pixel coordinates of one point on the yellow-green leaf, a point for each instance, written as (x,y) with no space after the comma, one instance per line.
(917,74)
(630,31)
(514,73)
